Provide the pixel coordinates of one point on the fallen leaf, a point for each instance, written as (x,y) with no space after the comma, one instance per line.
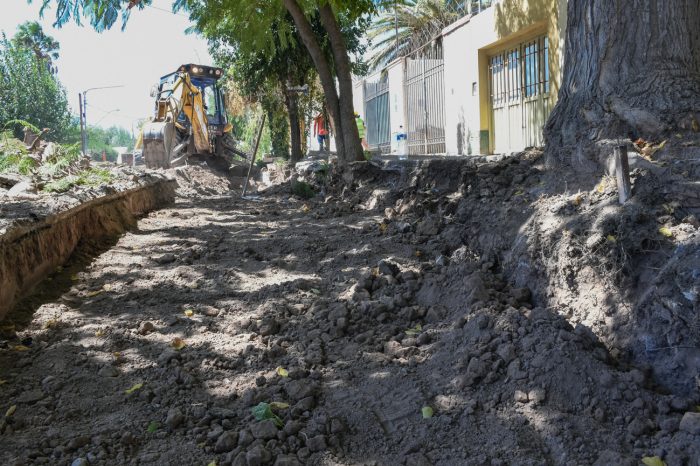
(695,125)
(383,227)
(189,312)
(92,294)
(601,187)
(50,323)
(11,410)
(263,411)
(305,208)
(20,348)
(178,343)
(666,232)
(427,412)
(131,390)
(2,382)
(415,330)
(282,372)
(653,461)
(279,405)
(107,287)
(212,463)
(74,278)
(315,291)
(577,200)
(612,239)
(152,427)
(418,253)
(99,333)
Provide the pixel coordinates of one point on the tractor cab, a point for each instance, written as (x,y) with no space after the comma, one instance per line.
(206,79)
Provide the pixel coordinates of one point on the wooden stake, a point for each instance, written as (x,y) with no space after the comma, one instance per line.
(622,171)
(255,152)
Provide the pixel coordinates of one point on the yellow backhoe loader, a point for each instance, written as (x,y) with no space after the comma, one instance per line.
(190,121)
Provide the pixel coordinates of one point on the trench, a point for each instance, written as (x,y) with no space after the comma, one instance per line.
(32,252)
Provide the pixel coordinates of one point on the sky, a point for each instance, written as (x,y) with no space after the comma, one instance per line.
(153,44)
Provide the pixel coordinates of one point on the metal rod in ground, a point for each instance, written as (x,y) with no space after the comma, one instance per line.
(622,171)
(254,154)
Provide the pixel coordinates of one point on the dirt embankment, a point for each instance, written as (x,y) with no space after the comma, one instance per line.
(39,234)
(629,274)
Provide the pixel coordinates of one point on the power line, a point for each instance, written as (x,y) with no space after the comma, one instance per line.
(167,11)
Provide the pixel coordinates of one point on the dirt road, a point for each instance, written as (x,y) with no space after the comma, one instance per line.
(367,347)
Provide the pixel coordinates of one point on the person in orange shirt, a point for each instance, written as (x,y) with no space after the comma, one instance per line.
(320,131)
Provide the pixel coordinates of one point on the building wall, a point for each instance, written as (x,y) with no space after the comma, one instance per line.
(396,102)
(468,45)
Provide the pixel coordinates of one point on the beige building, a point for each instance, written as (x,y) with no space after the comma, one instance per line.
(486,85)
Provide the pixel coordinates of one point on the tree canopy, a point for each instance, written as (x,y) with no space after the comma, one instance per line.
(29,91)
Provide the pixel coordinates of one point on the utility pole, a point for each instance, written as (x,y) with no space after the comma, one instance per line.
(83,141)
(83,114)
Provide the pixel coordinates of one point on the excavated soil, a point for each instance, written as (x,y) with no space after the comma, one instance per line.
(398,295)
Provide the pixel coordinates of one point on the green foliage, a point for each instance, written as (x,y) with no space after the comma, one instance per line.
(30,35)
(13,155)
(263,411)
(417,21)
(61,161)
(91,177)
(30,92)
(302,189)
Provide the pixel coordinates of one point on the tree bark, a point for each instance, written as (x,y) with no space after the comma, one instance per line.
(294,126)
(343,71)
(324,71)
(631,70)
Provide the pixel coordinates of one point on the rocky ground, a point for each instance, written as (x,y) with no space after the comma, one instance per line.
(380,325)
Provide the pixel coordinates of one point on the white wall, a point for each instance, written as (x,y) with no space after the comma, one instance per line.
(461,43)
(397,115)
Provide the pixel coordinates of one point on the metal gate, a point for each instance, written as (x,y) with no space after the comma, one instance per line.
(520,103)
(425,100)
(377,114)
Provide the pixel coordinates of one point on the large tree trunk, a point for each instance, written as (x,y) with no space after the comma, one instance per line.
(324,71)
(343,70)
(294,126)
(631,70)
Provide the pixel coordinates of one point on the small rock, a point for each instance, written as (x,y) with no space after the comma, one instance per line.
(77,442)
(317,443)
(287,461)
(226,442)
(300,389)
(167,258)
(264,430)
(30,396)
(639,427)
(269,327)
(520,396)
(175,418)
(108,371)
(258,455)
(145,328)
(80,462)
(690,423)
(292,427)
(403,227)
(337,426)
(387,267)
(245,438)
(423,339)
(168,355)
(537,395)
